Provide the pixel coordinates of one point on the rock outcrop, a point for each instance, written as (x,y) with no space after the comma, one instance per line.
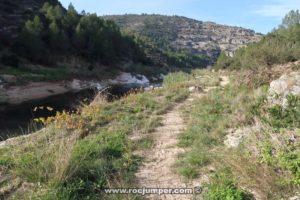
(130,79)
(280,89)
(181,33)
(237,136)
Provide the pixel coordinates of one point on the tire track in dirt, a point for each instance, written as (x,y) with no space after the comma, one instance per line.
(159,170)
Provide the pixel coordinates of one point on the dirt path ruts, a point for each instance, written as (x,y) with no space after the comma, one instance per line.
(159,169)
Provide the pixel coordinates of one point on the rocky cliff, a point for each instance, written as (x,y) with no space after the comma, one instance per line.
(192,36)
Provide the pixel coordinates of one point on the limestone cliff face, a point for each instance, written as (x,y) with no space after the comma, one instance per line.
(210,38)
(13,13)
(182,33)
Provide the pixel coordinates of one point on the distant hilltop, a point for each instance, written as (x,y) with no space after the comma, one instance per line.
(172,41)
(181,33)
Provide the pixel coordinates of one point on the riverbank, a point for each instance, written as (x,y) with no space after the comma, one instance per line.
(20,103)
(101,128)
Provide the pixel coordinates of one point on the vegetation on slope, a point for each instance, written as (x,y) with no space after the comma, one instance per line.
(257,166)
(185,42)
(156,36)
(76,156)
(266,163)
(86,35)
(55,35)
(280,46)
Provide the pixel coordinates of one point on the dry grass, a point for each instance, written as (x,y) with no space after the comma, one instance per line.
(256,77)
(209,120)
(88,150)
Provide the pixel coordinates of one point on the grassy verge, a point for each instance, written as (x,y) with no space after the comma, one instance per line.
(45,74)
(78,155)
(257,165)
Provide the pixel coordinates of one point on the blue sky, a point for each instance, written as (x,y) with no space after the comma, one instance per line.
(260,15)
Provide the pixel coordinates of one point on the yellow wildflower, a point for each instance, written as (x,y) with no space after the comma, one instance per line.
(49,108)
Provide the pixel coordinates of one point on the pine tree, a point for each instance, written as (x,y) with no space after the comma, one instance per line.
(54,28)
(34,26)
(71,20)
(291,19)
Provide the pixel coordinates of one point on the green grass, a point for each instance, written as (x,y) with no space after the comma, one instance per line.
(144,143)
(223,186)
(46,74)
(13,71)
(188,171)
(289,159)
(77,156)
(280,121)
(235,106)
(176,79)
(59,73)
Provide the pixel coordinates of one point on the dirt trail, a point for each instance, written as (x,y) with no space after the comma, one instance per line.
(159,169)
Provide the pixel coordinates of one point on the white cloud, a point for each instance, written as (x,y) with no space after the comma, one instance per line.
(278,8)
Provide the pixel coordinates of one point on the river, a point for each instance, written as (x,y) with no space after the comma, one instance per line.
(19,120)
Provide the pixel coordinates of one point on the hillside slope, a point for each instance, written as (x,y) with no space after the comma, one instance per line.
(38,32)
(197,130)
(180,33)
(14,13)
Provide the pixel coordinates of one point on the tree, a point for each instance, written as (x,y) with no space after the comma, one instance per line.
(291,19)
(53,13)
(59,12)
(223,61)
(72,11)
(34,26)
(29,44)
(45,8)
(55,34)
(71,18)
(290,27)
(54,28)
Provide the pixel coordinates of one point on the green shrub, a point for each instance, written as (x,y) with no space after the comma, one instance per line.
(188,171)
(277,116)
(278,47)
(289,158)
(267,153)
(223,186)
(175,79)
(280,118)
(286,117)
(223,61)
